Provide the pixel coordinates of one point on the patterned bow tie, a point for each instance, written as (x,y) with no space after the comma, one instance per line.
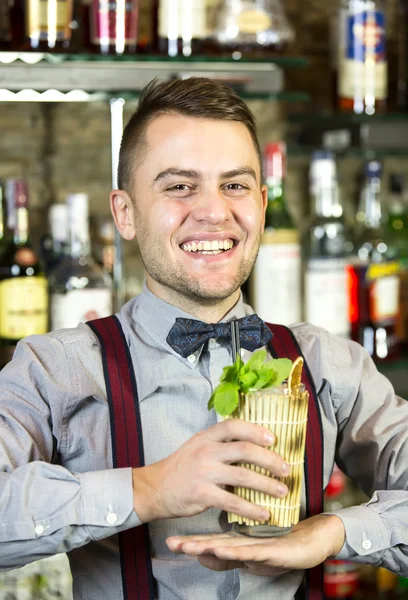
(187,335)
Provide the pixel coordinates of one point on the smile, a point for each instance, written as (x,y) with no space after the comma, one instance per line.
(208,247)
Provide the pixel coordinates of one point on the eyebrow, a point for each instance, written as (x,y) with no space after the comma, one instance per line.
(193,174)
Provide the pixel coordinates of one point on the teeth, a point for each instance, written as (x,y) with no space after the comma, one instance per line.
(207,247)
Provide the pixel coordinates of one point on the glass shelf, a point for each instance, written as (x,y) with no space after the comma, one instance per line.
(363,153)
(339,119)
(230,59)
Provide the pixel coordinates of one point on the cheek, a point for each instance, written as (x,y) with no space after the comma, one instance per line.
(167,219)
(250,219)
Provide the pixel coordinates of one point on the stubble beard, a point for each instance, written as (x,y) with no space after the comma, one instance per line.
(180,283)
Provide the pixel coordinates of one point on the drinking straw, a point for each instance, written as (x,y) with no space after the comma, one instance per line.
(236,346)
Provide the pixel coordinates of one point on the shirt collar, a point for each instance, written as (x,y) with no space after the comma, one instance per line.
(157,317)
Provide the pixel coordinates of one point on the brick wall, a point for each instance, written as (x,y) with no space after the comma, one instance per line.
(63,148)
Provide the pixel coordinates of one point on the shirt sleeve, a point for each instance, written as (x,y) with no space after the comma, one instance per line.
(372,449)
(46,509)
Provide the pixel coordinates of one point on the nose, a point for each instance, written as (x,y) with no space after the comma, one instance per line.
(212,207)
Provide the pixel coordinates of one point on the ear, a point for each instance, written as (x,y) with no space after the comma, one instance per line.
(123,213)
(264,204)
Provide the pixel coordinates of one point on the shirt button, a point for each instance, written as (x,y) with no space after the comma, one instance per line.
(191,359)
(39,530)
(111,518)
(366,544)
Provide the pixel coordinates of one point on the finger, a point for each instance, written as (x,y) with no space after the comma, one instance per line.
(236,429)
(215,564)
(258,553)
(207,544)
(243,477)
(174,543)
(261,569)
(229,502)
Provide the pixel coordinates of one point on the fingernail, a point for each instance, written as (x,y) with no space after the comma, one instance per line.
(265,515)
(282,489)
(269,439)
(285,468)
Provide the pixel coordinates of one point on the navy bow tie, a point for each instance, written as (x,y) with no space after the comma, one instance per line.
(187,335)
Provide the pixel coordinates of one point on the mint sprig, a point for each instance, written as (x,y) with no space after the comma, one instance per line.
(240,377)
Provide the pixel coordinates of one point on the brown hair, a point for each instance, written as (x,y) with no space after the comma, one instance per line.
(194,97)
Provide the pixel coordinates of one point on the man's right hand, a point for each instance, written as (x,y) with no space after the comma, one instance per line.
(193,478)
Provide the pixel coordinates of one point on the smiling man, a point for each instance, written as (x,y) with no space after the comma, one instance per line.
(191,194)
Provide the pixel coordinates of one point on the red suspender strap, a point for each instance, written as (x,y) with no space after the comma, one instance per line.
(127,449)
(284,344)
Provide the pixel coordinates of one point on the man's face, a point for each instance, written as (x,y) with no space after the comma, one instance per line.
(199,208)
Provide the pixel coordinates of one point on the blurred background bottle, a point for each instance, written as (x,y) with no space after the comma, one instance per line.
(362,66)
(5,29)
(79,289)
(275,283)
(55,243)
(402,33)
(374,275)
(23,286)
(340,576)
(326,244)
(43,25)
(113,26)
(397,225)
(182,27)
(252,26)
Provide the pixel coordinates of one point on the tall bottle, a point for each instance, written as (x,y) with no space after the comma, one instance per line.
(275,289)
(182,27)
(79,289)
(114,26)
(362,62)
(252,26)
(402,77)
(23,286)
(397,225)
(54,244)
(326,243)
(340,576)
(43,25)
(5,29)
(374,274)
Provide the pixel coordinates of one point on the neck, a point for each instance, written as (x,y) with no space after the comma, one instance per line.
(203,310)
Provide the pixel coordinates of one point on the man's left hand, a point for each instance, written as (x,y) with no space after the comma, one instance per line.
(308,544)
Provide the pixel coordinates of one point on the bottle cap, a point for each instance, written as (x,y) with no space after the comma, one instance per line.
(275,160)
(373,168)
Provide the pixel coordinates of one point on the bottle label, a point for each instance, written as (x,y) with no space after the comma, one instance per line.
(363,62)
(340,579)
(377,286)
(49,20)
(275,283)
(114,22)
(79,306)
(182,19)
(253,21)
(326,297)
(23,307)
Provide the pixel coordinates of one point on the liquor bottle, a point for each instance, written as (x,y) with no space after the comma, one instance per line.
(397,225)
(54,245)
(277,270)
(79,289)
(402,33)
(374,274)
(362,63)
(340,576)
(326,243)
(113,26)
(402,588)
(386,584)
(182,27)
(5,30)
(43,25)
(252,26)
(23,286)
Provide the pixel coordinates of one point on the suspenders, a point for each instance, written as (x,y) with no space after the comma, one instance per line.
(127,449)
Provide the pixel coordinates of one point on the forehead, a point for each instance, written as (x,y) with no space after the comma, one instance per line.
(204,144)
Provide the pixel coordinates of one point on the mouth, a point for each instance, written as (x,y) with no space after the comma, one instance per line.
(209,247)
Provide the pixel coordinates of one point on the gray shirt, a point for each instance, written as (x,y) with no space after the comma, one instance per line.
(59,493)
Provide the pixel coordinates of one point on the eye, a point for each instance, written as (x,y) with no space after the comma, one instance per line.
(179,187)
(236,187)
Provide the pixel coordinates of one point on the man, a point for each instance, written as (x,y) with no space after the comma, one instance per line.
(190,192)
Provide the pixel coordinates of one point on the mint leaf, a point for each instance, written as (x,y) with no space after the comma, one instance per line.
(225,398)
(282,367)
(210,404)
(248,380)
(256,361)
(266,375)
